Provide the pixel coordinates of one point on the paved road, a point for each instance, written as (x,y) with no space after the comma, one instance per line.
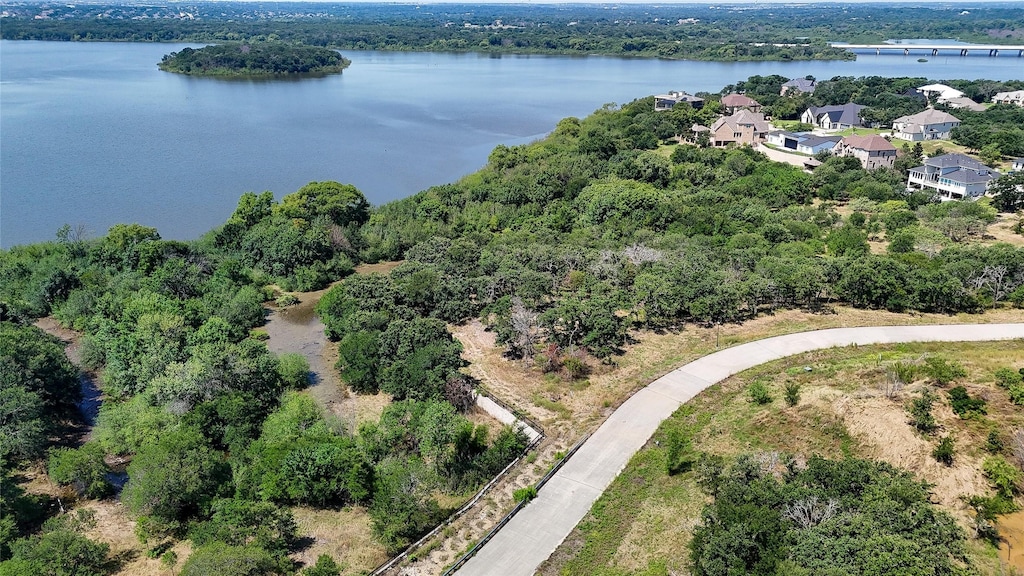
(533,534)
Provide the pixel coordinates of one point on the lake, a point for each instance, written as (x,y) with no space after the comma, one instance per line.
(94,134)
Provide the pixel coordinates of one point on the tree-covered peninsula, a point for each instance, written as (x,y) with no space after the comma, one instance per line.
(254,60)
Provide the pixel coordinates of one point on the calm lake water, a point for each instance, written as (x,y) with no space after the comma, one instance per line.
(94,134)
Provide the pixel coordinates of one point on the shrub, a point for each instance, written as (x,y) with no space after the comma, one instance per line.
(1013,382)
(944,451)
(963,405)
(994,442)
(82,468)
(574,367)
(792,393)
(525,494)
(759,394)
(942,371)
(325,566)
(921,412)
(1003,475)
(225,560)
(678,454)
(285,300)
(1008,377)
(293,370)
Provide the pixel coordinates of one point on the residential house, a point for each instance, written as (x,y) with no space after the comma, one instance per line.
(939,93)
(872,151)
(1016,98)
(784,139)
(733,103)
(833,117)
(798,86)
(814,144)
(915,94)
(930,124)
(743,127)
(664,102)
(952,177)
(1017,165)
(965,103)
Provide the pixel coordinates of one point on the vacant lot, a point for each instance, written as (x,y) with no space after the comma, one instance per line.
(645,520)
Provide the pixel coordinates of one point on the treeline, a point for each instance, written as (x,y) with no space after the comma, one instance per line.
(788,33)
(254,60)
(885,98)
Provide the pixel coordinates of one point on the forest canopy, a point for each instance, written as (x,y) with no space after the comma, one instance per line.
(769,32)
(254,60)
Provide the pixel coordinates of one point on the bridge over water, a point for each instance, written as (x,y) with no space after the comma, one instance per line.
(963,49)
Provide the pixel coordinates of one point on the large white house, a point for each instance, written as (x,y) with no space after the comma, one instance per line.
(952,177)
(930,124)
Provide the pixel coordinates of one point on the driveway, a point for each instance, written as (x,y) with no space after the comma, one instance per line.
(533,534)
(780,156)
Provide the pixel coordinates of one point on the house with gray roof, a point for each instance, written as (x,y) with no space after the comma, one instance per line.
(814,144)
(965,103)
(663,102)
(798,86)
(833,117)
(952,177)
(743,127)
(930,124)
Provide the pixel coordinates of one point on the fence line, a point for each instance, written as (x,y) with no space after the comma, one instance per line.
(480,494)
(519,506)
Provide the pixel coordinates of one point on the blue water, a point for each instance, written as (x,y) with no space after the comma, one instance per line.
(94,134)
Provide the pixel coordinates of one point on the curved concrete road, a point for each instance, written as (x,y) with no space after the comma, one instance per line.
(534,533)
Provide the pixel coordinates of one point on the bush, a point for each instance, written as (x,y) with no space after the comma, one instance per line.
(759,394)
(944,451)
(325,566)
(921,412)
(293,370)
(525,494)
(1003,475)
(1013,382)
(994,442)
(963,405)
(82,468)
(224,560)
(942,371)
(678,452)
(792,393)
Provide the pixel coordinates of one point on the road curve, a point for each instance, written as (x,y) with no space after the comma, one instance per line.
(534,533)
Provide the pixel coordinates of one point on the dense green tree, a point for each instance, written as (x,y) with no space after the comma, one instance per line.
(173,479)
(59,550)
(247,523)
(83,468)
(1008,192)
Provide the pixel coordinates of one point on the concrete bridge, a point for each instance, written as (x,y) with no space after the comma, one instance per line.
(993,49)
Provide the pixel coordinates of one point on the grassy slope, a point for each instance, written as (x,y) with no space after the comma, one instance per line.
(644,521)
